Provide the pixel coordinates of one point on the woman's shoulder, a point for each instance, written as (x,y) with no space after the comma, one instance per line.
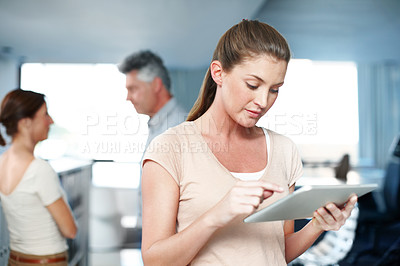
(15,161)
(173,139)
(186,127)
(183,130)
(18,169)
(3,158)
(40,162)
(279,138)
(41,165)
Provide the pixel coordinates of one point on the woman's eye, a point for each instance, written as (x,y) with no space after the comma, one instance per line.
(253,87)
(274,90)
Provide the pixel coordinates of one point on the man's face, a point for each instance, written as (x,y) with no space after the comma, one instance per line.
(141,94)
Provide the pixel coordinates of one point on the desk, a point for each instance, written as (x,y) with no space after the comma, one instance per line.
(318,176)
(75,177)
(114,205)
(326,176)
(366,176)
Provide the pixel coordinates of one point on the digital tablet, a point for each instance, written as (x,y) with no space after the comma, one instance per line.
(304,201)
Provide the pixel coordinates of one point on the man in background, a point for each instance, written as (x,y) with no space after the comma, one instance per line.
(149,90)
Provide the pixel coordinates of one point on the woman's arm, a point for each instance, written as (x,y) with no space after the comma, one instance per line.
(325,218)
(62,214)
(161,244)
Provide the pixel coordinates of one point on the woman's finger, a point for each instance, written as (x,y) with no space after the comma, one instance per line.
(351,203)
(317,218)
(326,215)
(264,185)
(267,194)
(334,211)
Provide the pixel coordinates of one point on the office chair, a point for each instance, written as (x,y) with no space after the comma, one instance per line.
(343,168)
(376,222)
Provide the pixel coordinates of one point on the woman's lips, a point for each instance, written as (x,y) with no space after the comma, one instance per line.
(253,114)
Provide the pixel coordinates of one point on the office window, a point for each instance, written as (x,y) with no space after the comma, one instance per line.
(88,105)
(318,109)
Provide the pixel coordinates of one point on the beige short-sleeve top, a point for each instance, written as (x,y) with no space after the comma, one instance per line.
(203,181)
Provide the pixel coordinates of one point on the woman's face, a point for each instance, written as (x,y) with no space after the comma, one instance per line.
(41,124)
(250,89)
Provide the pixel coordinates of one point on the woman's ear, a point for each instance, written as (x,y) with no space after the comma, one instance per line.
(216,71)
(24,123)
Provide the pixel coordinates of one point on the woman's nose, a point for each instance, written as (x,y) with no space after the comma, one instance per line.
(261,98)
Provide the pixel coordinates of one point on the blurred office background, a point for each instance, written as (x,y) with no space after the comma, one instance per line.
(340,101)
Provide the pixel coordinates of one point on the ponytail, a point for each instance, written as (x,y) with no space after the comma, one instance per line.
(205,98)
(2,141)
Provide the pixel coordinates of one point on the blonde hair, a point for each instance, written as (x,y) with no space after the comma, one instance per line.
(247,39)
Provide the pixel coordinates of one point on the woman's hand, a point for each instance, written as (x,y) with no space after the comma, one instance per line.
(242,200)
(332,217)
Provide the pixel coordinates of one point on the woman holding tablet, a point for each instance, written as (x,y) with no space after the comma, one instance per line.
(203,177)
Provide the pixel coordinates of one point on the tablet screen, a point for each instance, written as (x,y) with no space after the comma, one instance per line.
(303,202)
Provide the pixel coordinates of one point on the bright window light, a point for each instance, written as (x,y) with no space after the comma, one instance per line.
(318,109)
(115,174)
(91,114)
(129,221)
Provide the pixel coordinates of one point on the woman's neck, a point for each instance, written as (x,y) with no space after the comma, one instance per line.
(216,122)
(22,144)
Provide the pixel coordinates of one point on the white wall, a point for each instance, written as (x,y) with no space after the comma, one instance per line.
(8,75)
(8,81)
(357,30)
(186,85)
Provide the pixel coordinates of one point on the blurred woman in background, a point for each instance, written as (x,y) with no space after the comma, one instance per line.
(35,206)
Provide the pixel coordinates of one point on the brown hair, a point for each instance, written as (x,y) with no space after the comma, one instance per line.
(247,39)
(16,105)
